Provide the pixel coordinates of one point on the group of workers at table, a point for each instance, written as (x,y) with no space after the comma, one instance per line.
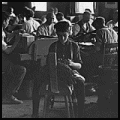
(81,34)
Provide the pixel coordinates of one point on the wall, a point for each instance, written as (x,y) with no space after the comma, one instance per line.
(62,6)
(4,7)
(105,12)
(65,8)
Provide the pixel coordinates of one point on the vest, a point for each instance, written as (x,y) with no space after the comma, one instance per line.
(82,30)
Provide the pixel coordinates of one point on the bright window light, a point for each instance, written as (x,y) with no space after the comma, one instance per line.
(4,2)
(40,6)
(81,6)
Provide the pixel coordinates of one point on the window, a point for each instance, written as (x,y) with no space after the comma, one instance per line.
(40,6)
(5,3)
(81,6)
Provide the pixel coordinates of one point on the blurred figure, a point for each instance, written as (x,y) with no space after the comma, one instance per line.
(114,22)
(60,17)
(88,10)
(83,26)
(14,74)
(30,25)
(34,8)
(47,29)
(43,19)
(103,35)
(11,12)
(92,17)
(14,25)
(54,12)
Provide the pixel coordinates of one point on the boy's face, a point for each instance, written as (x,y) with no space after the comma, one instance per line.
(63,36)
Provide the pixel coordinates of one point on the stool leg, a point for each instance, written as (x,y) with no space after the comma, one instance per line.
(35,104)
(75,105)
(46,105)
(71,107)
(67,106)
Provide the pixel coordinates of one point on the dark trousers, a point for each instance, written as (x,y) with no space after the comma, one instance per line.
(13,78)
(42,76)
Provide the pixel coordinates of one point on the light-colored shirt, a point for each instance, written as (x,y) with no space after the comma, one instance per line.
(46,30)
(112,24)
(106,35)
(12,15)
(30,25)
(84,28)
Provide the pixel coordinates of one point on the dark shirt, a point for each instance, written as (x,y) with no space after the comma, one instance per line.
(70,50)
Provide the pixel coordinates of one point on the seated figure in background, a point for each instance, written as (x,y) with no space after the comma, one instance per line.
(30,25)
(105,81)
(43,19)
(83,26)
(14,74)
(114,22)
(103,35)
(47,29)
(14,25)
(60,17)
(11,12)
(54,11)
(68,57)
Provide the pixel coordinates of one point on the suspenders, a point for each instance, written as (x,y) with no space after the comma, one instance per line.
(71,50)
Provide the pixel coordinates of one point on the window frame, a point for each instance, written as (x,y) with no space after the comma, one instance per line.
(32,5)
(94,8)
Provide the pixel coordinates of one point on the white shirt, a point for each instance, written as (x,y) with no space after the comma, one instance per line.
(88,28)
(112,24)
(107,35)
(46,30)
(30,25)
(12,15)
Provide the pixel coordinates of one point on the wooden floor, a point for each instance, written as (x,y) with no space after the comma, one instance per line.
(25,110)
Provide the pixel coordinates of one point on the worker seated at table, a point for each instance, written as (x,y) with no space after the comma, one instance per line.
(82,27)
(13,25)
(30,25)
(47,29)
(104,35)
(69,59)
(14,74)
(113,24)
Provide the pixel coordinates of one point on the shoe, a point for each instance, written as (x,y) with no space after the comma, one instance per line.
(11,100)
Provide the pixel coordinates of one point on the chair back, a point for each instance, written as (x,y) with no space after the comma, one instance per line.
(52,58)
(110,55)
(40,47)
